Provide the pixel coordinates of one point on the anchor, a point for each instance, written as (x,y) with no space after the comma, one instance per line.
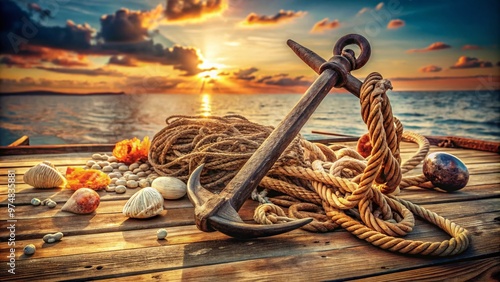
(220,211)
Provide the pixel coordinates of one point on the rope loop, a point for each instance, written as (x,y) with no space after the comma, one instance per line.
(334,185)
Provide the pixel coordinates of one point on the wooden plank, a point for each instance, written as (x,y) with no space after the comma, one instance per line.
(54,149)
(486,269)
(22,141)
(324,256)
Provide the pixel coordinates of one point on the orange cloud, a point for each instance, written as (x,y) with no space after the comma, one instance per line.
(193,10)
(324,25)
(396,23)
(122,61)
(433,47)
(470,47)
(465,62)
(282,16)
(430,68)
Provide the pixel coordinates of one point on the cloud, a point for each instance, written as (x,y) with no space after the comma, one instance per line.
(324,25)
(465,62)
(149,84)
(80,61)
(433,47)
(129,26)
(288,81)
(122,61)
(471,47)
(245,74)
(396,23)
(430,68)
(362,11)
(193,10)
(18,29)
(366,9)
(80,71)
(282,16)
(16,61)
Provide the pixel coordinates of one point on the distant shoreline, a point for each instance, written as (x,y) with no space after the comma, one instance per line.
(44,92)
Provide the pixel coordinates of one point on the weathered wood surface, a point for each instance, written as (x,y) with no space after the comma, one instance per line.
(107,245)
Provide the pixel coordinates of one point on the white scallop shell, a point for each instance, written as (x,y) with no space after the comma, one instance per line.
(145,203)
(44,175)
(170,188)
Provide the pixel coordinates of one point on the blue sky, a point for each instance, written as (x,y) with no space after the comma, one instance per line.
(239,45)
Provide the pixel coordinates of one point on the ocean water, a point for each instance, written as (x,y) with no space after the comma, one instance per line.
(60,119)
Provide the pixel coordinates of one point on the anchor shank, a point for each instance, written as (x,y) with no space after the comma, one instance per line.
(248,178)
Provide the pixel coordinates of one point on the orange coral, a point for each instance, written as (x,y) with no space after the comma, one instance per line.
(132,150)
(89,178)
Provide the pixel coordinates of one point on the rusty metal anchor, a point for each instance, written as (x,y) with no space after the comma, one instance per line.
(220,211)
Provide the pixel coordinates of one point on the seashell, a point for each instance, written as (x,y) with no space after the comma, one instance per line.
(161,234)
(29,249)
(44,175)
(120,189)
(145,203)
(83,201)
(36,202)
(170,188)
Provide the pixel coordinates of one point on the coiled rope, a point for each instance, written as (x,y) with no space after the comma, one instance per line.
(334,184)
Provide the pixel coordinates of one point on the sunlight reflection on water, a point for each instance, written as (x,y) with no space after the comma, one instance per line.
(108,118)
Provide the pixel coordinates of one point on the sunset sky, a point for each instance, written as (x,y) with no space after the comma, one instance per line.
(239,46)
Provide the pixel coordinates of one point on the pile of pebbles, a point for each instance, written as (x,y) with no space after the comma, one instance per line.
(123,176)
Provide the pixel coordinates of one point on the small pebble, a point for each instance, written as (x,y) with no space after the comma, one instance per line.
(148,172)
(104,157)
(144,167)
(143,183)
(110,188)
(123,168)
(120,189)
(114,165)
(51,204)
(141,174)
(132,184)
(161,234)
(133,166)
(107,168)
(51,238)
(113,180)
(127,172)
(103,163)
(132,177)
(97,157)
(113,175)
(112,159)
(137,170)
(121,182)
(96,166)
(90,163)
(35,202)
(29,249)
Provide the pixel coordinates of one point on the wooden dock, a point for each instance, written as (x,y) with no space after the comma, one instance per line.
(106,245)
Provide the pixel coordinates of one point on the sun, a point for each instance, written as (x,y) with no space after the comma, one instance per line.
(211,70)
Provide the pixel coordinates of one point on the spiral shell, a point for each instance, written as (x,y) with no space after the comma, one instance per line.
(145,203)
(83,201)
(44,175)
